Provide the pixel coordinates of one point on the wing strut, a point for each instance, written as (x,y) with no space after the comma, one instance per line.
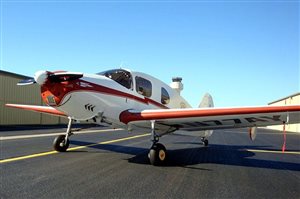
(154,136)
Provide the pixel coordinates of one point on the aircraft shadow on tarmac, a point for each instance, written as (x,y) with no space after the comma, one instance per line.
(186,157)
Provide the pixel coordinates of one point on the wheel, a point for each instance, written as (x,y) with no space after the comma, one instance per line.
(157,154)
(59,143)
(205,142)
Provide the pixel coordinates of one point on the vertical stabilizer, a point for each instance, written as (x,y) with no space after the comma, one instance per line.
(207,101)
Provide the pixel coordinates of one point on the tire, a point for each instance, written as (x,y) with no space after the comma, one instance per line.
(205,142)
(157,154)
(59,143)
(152,156)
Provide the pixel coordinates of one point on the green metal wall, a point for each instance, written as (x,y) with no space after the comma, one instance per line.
(11,93)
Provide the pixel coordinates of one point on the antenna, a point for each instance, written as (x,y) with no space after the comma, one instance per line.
(122,64)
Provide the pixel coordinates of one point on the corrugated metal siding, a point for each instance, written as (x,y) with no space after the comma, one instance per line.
(294,100)
(1,111)
(11,93)
(49,119)
(1,88)
(20,94)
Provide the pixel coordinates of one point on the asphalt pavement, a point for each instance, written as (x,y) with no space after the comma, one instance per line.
(106,163)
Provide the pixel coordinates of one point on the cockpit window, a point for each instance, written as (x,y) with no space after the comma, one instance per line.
(143,86)
(165,97)
(123,77)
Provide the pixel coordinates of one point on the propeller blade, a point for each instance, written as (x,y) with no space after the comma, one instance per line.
(26,82)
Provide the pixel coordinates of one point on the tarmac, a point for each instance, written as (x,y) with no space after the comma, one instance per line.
(113,163)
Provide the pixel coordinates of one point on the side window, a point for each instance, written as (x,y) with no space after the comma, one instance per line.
(143,86)
(165,97)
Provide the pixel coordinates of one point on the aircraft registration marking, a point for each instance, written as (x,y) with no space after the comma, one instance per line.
(70,149)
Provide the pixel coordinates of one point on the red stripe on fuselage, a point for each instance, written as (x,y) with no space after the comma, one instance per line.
(60,90)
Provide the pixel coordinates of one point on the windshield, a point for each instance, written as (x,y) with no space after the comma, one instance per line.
(121,76)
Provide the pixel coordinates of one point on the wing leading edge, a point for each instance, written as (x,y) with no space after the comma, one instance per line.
(215,118)
(41,109)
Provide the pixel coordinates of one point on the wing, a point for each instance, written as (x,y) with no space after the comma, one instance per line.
(41,109)
(214,118)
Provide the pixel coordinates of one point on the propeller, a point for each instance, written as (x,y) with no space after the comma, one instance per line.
(41,77)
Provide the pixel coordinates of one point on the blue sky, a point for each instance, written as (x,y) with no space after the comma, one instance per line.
(242,52)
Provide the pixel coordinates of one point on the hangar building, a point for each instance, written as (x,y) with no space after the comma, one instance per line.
(289,100)
(11,93)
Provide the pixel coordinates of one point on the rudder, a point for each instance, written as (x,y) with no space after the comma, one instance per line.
(207,101)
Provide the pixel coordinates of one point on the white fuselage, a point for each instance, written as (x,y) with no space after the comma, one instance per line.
(100,98)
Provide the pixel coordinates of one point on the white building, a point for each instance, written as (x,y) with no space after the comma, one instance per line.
(289,100)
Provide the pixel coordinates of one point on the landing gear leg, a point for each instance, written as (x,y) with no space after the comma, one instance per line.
(61,142)
(204,141)
(157,153)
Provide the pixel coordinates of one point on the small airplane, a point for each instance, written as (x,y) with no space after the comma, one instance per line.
(136,101)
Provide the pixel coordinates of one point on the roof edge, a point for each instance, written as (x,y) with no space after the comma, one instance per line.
(290,96)
(14,74)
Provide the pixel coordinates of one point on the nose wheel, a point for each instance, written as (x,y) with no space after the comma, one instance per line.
(61,142)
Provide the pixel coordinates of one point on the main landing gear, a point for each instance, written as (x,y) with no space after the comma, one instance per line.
(158,153)
(204,141)
(61,142)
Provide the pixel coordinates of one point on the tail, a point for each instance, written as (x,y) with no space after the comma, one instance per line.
(207,101)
